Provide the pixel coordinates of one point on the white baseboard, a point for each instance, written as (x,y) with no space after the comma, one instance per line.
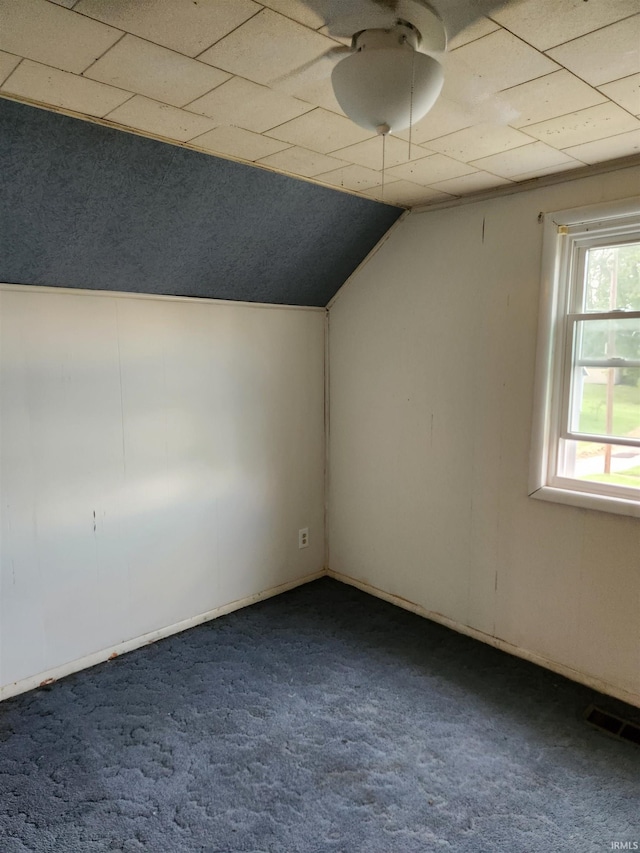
(575,675)
(51,675)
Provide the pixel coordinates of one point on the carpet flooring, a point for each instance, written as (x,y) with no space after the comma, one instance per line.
(321,721)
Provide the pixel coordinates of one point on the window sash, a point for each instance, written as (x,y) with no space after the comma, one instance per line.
(571,364)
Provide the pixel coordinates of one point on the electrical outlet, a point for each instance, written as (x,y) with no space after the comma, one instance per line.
(303,537)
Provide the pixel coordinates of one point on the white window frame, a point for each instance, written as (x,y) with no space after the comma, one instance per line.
(566,232)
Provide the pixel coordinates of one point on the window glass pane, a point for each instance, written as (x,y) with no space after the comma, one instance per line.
(612,278)
(616,465)
(606,401)
(603,339)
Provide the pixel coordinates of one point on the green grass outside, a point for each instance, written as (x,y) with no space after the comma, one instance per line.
(626,409)
(630,477)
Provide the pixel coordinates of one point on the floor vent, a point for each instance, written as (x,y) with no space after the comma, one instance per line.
(614,725)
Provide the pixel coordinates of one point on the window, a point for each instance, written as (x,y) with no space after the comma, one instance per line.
(586,437)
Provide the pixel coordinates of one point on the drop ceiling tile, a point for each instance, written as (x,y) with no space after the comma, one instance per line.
(587,125)
(151,70)
(550,170)
(245,104)
(608,54)
(183,25)
(548,97)
(431,169)
(67,3)
(622,145)
(479,141)
(299,161)
(267,47)
(160,119)
(625,92)
(297,10)
(312,82)
(369,152)
(320,131)
(343,39)
(527,158)
(318,92)
(352,178)
(406,193)
(471,183)
(478,29)
(545,23)
(53,35)
(63,89)
(238,143)
(444,117)
(490,64)
(7,64)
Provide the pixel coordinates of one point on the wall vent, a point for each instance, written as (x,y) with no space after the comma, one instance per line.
(603,720)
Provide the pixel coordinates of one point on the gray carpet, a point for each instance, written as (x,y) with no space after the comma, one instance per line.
(321,721)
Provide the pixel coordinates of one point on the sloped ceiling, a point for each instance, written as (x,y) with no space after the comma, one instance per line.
(92,207)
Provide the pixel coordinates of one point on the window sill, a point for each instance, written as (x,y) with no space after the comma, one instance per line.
(587,500)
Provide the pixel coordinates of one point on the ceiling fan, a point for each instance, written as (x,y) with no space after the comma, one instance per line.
(390,73)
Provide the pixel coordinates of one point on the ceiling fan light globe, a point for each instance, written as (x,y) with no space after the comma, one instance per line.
(373,86)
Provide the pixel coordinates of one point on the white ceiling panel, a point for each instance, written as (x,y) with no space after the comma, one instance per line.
(63,89)
(300,161)
(160,119)
(548,97)
(528,158)
(444,117)
(7,63)
(298,11)
(267,47)
(320,131)
(431,169)
(245,104)
(317,92)
(352,178)
(53,35)
(312,83)
(238,143)
(605,55)
(584,126)
(625,92)
(545,23)
(549,170)
(478,29)
(183,25)
(481,140)
(156,72)
(490,64)
(623,145)
(369,152)
(474,183)
(68,3)
(404,192)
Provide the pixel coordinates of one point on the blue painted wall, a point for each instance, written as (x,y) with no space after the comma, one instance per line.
(86,206)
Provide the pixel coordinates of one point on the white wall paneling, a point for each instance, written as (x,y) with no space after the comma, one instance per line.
(158,458)
(432,349)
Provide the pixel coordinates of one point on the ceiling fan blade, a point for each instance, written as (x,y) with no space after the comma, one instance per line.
(311,72)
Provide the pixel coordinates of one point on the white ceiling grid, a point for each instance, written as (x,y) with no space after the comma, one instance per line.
(543,86)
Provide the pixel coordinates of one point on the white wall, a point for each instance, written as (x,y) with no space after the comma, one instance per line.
(158,458)
(432,349)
